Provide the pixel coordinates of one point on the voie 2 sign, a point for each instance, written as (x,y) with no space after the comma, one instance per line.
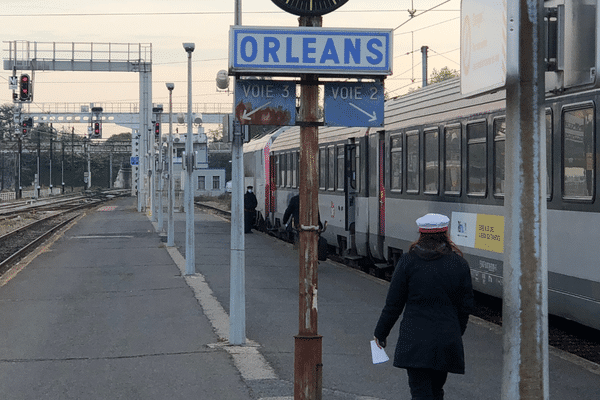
(293,51)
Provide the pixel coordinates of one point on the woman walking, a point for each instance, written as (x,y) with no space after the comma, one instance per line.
(432,286)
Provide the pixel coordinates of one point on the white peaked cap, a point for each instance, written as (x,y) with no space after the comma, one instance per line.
(433,223)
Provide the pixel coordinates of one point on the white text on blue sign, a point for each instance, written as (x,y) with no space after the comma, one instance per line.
(265,102)
(310,50)
(354,104)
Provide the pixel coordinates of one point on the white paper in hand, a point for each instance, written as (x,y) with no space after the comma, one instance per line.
(378,354)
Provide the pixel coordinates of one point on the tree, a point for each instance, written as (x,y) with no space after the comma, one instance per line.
(215,135)
(120,137)
(6,121)
(443,74)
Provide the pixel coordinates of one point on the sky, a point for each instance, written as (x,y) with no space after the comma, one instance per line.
(166,24)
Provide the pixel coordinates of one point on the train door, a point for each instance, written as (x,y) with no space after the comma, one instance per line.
(271,186)
(381,195)
(350,192)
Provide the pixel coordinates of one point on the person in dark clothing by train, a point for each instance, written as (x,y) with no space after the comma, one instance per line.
(432,287)
(250,204)
(292,213)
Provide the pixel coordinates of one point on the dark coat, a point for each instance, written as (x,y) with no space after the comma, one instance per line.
(293,210)
(250,201)
(435,292)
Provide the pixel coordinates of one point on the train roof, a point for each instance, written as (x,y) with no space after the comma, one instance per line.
(291,138)
(430,105)
(260,143)
(438,102)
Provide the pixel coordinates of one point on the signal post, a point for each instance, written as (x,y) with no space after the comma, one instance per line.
(307,52)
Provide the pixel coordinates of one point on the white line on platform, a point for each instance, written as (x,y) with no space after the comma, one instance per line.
(102,237)
(277,398)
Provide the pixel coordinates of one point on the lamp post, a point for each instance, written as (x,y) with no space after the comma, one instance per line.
(237,280)
(171,195)
(190,267)
(159,169)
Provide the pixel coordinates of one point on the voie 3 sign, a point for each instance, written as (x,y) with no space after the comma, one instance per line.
(293,51)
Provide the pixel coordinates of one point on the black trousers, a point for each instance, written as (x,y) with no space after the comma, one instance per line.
(249,216)
(426,384)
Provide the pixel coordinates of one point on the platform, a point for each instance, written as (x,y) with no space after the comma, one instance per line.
(104,312)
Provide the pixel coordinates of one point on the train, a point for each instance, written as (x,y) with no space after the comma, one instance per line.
(441,153)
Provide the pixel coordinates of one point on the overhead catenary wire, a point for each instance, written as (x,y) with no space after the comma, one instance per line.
(209,13)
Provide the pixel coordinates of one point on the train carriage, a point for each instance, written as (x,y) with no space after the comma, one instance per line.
(439,152)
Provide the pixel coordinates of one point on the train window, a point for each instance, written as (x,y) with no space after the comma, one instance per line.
(578,153)
(396,163)
(476,159)
(432,162)
(282,168)
(296,169)
(452,139)
(412,162)
(276,171)
(355,182)
(549,130)
(331,168)
(290,169)
(499,156)
(322,168)
(354,167)
(340,168)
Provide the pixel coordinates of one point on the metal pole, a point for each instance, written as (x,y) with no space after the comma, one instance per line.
(89,165)
(190,265)
(62,165)
(424,63)
(159,173)
(19,187)
(151,149)
(72,166)
(171,221)
(110,171)
(308,367)
(50,159)
(525,306)
(142,152)
(237,277)
(38,180)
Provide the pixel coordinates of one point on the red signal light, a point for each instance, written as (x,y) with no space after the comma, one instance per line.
(97,133)
(24,88)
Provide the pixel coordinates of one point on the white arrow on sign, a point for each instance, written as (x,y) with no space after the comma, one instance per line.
(247,114)
(373,116)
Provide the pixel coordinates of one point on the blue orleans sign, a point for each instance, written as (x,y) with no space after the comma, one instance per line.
(293,51)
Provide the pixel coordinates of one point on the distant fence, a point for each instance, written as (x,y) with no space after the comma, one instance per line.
(28,194)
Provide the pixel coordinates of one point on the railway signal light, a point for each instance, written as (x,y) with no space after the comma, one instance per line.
(25,125)
(24,88)
(97,130)
(157,129)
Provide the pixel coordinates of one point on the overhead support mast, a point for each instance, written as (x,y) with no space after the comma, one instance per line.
(96,57)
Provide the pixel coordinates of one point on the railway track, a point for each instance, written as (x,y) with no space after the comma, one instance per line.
(26,225)
(565,335)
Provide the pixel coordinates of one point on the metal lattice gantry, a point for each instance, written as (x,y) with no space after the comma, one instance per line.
(123,114)
(74,56)
(97,57)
